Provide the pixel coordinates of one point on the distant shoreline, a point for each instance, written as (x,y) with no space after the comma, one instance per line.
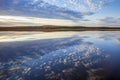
(58,28)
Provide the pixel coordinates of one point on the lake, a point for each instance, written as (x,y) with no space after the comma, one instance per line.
(84,55)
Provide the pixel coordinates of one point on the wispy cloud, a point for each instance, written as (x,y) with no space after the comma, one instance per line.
(110,21)
(103,22)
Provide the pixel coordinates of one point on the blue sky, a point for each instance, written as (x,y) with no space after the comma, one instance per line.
(60,12)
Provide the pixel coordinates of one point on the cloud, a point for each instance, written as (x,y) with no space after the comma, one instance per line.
(32,21)
(103,22)
(55,9)
(110,21)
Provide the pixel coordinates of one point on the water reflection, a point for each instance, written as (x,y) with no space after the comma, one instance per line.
(60,56)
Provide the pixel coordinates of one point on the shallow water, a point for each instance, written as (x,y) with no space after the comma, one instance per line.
(87,55)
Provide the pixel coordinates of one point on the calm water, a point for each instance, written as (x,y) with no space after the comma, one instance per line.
(88,55)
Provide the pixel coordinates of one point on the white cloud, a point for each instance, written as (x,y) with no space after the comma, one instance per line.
(29,21)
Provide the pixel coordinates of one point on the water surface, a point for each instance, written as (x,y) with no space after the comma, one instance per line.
(87,55)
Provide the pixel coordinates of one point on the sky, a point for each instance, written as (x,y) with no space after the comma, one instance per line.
(95,13)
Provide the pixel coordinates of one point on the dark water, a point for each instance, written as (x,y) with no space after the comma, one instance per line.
(60,55)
